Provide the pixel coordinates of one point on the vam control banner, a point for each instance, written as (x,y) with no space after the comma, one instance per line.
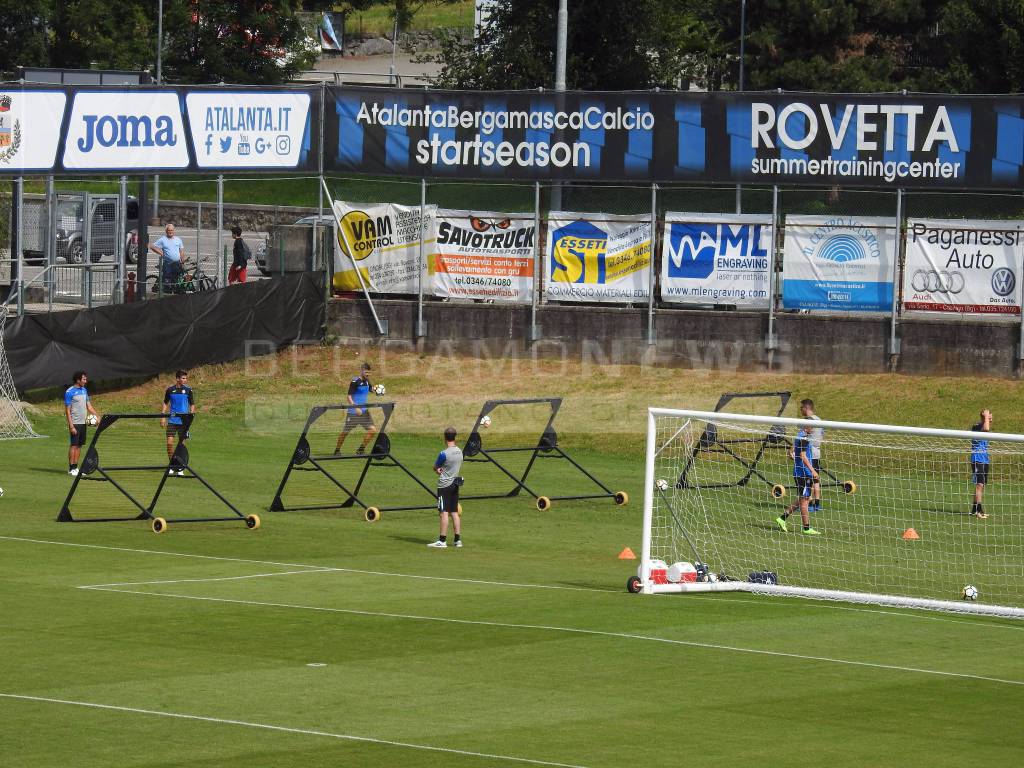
(483,255)
(598,257)
(840,263)
(970,267)
(384,241)
(716,259)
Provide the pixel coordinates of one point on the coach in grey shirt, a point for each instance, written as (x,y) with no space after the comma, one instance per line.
(447,466)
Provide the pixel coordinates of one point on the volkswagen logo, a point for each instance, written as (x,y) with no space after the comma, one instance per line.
(934,281)
(1003,281)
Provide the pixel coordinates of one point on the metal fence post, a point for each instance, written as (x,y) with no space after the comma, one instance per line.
(19,233)
(421,326)
(199,228)
(894,342)
(121,257)
(85,268)
(222,261)
(535,293)
(651,282)
(49,248)
(770,343)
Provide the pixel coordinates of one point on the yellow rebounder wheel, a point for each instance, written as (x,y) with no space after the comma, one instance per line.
(159,525)
(372,514)
(621,498)
(849,486)
(543,503)
(252,522)
(778,491)
(458,508)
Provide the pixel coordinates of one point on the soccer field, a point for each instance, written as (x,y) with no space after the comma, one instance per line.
(321,640)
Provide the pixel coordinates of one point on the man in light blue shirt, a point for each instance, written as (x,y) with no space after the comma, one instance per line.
(172,250)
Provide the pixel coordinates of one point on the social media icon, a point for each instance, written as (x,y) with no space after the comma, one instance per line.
(260,145)
(284,144)
(244,148)
(225,144)
(209,142)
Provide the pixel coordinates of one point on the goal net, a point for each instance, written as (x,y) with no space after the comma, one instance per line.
(894,525)
(14,424)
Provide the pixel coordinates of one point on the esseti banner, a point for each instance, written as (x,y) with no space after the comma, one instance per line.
(716,259)
(840,263)
(125,131)
(249,129)
(970,267)
(30,124)
(483,255)
(598,257)
(383,240)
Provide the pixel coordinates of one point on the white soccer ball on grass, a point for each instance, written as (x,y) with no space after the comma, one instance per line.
(662,484)
(485,421)
(380,390)
(970,592)
(91,420)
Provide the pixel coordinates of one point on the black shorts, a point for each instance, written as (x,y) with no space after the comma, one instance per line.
(353,420)
(78,439)
(816,463)
(448,499)
(178,431)
(979,473)
(803,486)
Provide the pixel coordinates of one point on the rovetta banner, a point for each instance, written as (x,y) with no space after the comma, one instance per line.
(597,257)
(716,259)
(841,263)
(384,241)
(970,267)
(483,255)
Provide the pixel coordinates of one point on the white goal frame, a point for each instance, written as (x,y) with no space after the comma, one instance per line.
(647,586)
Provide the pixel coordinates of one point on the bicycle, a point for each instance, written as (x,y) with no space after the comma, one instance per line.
(188,280)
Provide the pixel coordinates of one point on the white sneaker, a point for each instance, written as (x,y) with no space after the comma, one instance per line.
(170,472)
(458,543)
(73,472)
(181,473)
(438,544)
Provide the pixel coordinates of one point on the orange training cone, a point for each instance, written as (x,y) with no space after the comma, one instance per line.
(910,535)
(627,554)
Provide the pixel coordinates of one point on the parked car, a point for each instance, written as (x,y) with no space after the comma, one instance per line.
(70,231)
(265,245)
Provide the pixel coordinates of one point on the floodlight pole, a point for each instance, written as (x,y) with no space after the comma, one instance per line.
(159,81)
(743,52)
(894,342)
(561,44)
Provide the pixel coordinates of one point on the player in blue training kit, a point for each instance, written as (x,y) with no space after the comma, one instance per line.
(805,476)
(178,401)
(77,408)
(358,393)
(980,463)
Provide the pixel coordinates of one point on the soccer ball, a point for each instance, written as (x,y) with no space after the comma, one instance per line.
(662,485)
(380,390)
(91,420)
(1,492)
(485,421)
(970,592)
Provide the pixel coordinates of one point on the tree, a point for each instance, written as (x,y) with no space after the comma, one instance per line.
(611,46)
(110,34)
(23,36)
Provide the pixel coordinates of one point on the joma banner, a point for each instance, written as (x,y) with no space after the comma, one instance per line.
(970,267)
(483,255)
(598,257)
(716,259)
(840,263)
(383,239)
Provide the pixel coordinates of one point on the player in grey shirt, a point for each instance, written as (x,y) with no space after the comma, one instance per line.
(447,466)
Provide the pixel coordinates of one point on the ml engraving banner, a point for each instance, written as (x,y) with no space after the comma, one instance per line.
(483,255)
(598,257)
(716,259)
(839,263)
(969,267)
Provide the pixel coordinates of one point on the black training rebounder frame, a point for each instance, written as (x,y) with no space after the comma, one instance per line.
(773,439)
(379,455)
(92,469)
(545,447)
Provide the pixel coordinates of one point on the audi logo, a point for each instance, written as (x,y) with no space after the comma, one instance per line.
(937,282)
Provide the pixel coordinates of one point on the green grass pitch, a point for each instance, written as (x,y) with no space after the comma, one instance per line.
(321,640)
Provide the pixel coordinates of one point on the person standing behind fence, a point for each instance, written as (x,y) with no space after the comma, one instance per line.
(242,254)
(172,250)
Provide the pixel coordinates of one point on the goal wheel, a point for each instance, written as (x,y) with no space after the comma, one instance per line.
(543,503)
(621,498)
(458,508)
(634,585)
(159,525)
(372,514)
(849,486)
(252,521)
(778,491)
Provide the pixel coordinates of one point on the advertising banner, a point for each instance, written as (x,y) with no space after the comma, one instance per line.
(840,263)
(483,255)
(249,129)
(598,257)
(30,124)
(970,267)
(716,259)
(384,241)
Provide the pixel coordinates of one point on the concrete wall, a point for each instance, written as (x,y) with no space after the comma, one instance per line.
(703,340)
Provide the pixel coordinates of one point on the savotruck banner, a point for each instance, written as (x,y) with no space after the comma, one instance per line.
(841,263)
(716,259)
(483,255)
(970,267)
(383,239)
(598,257)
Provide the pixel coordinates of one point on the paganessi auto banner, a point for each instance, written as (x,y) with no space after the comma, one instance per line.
(383,239)
(483,255)
(598,257)
(716,259)
(969,267)
(839,263)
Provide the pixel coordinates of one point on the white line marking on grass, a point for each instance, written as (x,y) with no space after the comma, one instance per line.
(286,729)
(194,581)
(572,630)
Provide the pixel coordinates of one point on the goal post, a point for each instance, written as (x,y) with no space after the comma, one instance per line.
(894,524)
(14,423)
